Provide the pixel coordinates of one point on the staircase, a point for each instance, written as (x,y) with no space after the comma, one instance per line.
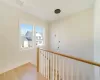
(57,66)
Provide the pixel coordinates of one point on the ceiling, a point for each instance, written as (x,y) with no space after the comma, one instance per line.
(44,9)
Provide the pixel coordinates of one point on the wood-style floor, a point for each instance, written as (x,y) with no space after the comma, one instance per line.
(25,72)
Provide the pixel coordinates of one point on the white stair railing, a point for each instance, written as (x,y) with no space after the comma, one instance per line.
(57,66)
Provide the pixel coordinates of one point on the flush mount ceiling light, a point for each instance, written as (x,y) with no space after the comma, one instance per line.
(57,11)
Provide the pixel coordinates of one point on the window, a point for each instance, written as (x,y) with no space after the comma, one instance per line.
(39,35)
(26,32)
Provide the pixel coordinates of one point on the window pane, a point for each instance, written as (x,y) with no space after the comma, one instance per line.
(26,35)
(39,35)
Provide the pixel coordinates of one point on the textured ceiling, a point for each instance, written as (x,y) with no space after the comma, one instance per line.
(44,9)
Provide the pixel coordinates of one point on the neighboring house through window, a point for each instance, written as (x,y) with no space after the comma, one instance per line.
(27,37)
(39,35)
(26,32)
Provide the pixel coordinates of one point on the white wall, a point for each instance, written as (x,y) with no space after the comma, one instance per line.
(97,37)
(97,31)
(10,53)
(75,33)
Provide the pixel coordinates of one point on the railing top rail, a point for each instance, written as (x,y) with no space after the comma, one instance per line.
(75,58)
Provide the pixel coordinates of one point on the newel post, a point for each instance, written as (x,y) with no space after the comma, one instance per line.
(37,59)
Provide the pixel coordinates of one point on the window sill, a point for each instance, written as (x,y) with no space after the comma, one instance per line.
(40,45)
(23,49)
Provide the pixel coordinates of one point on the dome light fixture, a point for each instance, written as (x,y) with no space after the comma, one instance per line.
(57,11)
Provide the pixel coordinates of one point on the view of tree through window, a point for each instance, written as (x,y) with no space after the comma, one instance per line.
(39,35)
(26,35)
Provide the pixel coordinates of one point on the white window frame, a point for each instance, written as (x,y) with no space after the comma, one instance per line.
(43,36)
(33,32)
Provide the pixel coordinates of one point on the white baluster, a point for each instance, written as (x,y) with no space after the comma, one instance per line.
(75,69)
(83,76)
(48,65)
(77,73)
(67,69)
(53,67)
(56,67)
(40,62)
(72,76)
(59,68)
(63,69)
(99,73)
(44,64)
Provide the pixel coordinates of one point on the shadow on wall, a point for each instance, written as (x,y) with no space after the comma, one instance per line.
(7,52)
